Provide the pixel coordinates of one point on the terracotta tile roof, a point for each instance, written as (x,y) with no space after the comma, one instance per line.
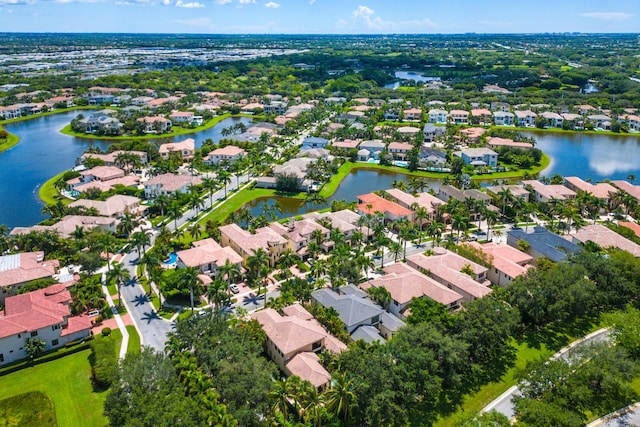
(208,252)
(425,200)
(400,146)
(187,144)
(605,238)
(170,182)
(506,258)
(24,267)
(632,226)
(347,143)
(505,142)
(405,283)
(307,367)
(35,310)
(250,242)
(378,204)
(229,150)
(113,206)
(104,173)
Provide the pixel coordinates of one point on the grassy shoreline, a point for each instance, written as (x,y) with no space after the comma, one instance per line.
(183,131)
(48,193)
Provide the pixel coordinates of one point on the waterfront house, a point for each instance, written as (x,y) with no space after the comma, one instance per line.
(168,184)
(185,149)
(246,243)
(480,156)
(229,154)
(526,118)
(503,118)
(540,192)
(114,207)
(372,203)
(19,269)
(155,124)
(543,243)
(399,150)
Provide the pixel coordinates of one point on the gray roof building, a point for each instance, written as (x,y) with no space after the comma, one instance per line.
(543,243)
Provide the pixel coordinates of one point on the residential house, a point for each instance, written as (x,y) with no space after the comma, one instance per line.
(42,314)
(399,150)
(207,256)
(168,184)
(69,223)
(371,149)
(553,120)
(229,154)
(432,159)
(438,116)
(405,283)
(412,115)
(347,144)
(481,156)
(526,118)
(540,192)
(600,121)
(503,118)
(355,309)
(391,114)
(500,106)
(114,207)
(156,124)
(447,267)
(631,120)
(494,141)
(604,238)
(516,191)
(293,341)
(431,132)
(472,135)
(575,121)
(275,107)
(315,142)
(459,117)
(184,117)
(601,190)
(424,200)
(447,192)
(408,131)
(299,234)
(344,220)
(480,116)
(542,243)
(101,173)
(586,109)
(185,149)
(18,269)
(109,159)
(372,203)
(507,262)
(246,243)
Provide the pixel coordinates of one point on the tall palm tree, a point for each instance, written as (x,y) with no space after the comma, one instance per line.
(140,240)
(395,248)
(195,231)
(188,278)
(287,260)
(340,397)
(162,201)
(505,196)
(118,275)
(224,178)
(107,242)
(312,403)
(209,184)
(175,212)
(128,222)
(217,294)
(229,270)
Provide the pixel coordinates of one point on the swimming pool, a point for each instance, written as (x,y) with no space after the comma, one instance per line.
(401,163)
(172,260)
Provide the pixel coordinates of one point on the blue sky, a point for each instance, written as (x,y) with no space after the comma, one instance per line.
(320,16)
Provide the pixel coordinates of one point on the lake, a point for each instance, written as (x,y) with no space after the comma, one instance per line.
(590,156)
(44,152)
(409,75)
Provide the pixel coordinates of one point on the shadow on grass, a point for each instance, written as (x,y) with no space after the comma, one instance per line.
(556,336)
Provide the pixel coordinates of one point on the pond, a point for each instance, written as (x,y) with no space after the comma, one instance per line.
(409,75)
(359,181)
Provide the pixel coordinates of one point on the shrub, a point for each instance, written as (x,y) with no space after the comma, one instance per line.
(106,332)
(104,363)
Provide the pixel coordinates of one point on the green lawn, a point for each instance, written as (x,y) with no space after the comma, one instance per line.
(66,381)
(49,194)
(532,346)
(19,410)
(234,202)
(9,142)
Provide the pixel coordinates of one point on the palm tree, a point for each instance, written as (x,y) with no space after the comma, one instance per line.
(119,275)
(491,217)
(224,178)
(128,223)
(460,223)
(340,397)
(229,270)
(195,231)
(435,230)
(106,242)
(175,212)
(395,248)
(217,294)
(188,278)
(312,404)
(195,202)
(140,240)
(162,202)
(380,295)
(505,196)
(209,184)
(365,262)
(287,260)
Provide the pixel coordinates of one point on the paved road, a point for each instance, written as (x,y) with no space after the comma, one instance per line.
(152,328)
(625,417)
(504,403)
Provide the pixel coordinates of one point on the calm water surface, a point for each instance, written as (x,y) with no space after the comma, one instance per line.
(44,152)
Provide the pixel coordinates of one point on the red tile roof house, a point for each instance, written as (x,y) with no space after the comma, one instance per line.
(169,183)
(605,238)
(298,233)
(184,148)
(412,114)
(540,192)
(472,135)
(127,181)
(399,150)
(405,283)
(68,224)
(633,190)
(182,116)
(507,262)
(109,159)
(481,116)
(633,226)
(372,203)
(505,142)
(101,173)
(602,190)
(345,220)
(207,255)
(348,144)
(445,267)
(42,314)
(424,200)
(156,124)
(18,269)
(294,340)
(114,206)
(459,117)
(246,244)
(526,118)
(228,154)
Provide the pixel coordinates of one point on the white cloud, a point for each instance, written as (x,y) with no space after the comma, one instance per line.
(367,16)
(272,5)
(189,5)
(243,2)
(223,1)
(607,16)
(16,2)
(197,22)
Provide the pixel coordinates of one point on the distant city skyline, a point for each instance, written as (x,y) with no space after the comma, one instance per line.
(320,16)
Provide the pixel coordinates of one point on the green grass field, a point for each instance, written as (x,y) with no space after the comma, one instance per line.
(28,409)
(66,381)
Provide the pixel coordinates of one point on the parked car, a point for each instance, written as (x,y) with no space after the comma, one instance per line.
(234,288)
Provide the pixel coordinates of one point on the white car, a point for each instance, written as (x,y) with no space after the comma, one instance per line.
(234,288)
